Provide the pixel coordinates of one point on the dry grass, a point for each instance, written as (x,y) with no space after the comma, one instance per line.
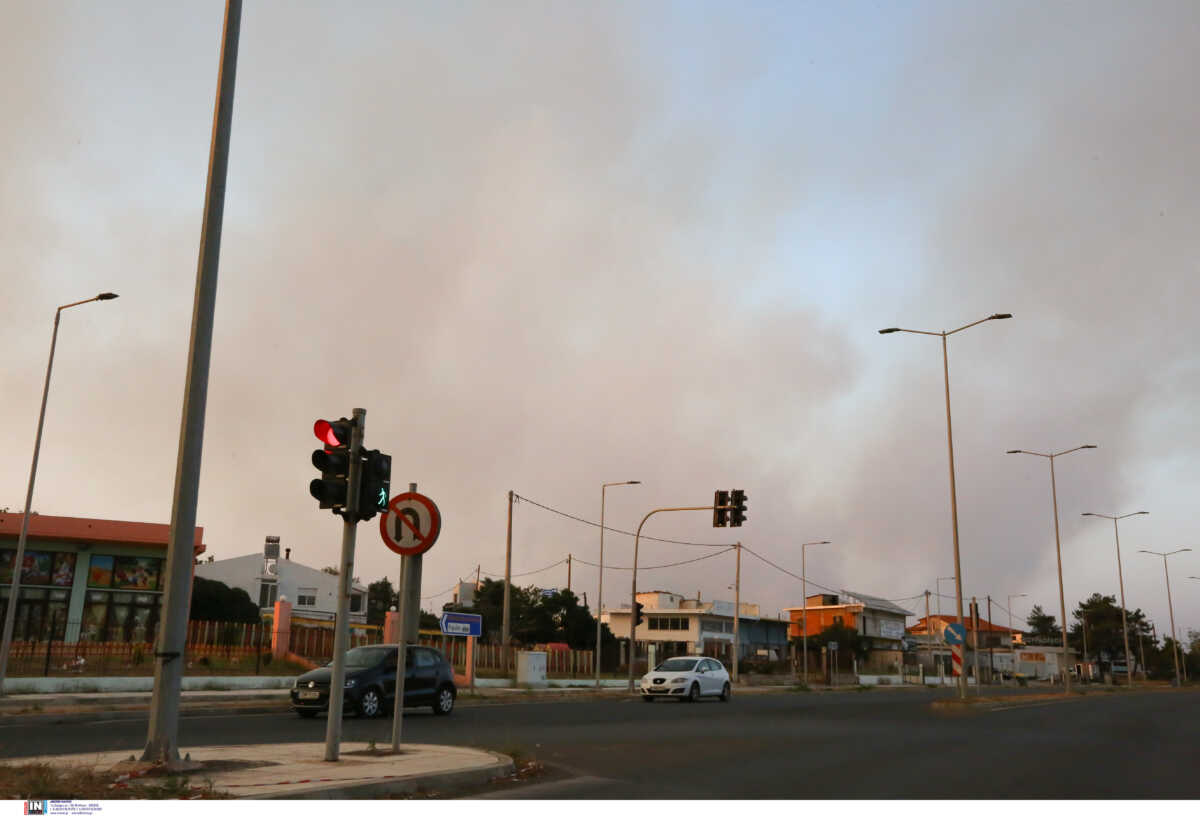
(40,780)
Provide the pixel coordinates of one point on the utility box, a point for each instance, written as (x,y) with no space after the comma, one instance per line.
(531,669)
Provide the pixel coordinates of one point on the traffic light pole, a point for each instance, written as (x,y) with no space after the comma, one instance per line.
(633,590)
(341,636)
(162,739)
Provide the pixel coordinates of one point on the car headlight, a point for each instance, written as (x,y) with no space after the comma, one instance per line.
(679,680)
(351,683)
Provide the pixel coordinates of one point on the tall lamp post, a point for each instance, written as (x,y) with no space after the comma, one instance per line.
(1012,644)
(804,612)
(1121,582)
(600,592)
(1062,601)
(1170,607)
(962,678)
(19,558)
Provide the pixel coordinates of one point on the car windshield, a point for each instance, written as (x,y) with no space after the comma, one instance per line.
(677,664)
(366,657)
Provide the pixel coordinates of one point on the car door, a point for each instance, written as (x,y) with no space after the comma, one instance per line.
(423,678)
(713,682)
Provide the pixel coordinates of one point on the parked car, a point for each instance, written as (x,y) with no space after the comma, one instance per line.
(687,678)
(370,682)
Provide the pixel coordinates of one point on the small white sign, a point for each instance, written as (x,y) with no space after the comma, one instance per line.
(453,628)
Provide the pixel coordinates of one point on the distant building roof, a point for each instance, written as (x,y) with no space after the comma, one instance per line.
(848,598)
(984,625)
(68,528)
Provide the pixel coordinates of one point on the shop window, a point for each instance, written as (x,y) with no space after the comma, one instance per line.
(136,573)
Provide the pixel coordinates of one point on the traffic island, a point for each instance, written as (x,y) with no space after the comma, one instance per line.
(287,771)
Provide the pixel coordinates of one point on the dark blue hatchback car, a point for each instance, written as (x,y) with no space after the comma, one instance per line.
(370,682)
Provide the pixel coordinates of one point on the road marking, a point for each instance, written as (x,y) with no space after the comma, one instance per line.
(1028,705)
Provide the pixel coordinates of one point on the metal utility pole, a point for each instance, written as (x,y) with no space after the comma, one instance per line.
(162,744)
(1170,607)
(10,614)
(1062,599)
(928,631)
(568,572)
(341,632)
(506,651)
(737,611)
(600,591)
(991,654)
(962,685)
(975,624)
(1121,582)
(1086,662)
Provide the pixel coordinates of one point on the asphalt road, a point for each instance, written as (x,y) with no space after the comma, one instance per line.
(879,744)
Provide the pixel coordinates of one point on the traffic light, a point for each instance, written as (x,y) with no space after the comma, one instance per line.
(376,478)
(637,615)
(333,460)
(737,515)
(720,514)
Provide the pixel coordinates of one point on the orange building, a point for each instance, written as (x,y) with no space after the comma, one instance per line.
(877,619)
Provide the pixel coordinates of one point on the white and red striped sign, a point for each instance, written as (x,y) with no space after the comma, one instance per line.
(956,657)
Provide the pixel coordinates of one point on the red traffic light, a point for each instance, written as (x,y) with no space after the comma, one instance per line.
(333,434)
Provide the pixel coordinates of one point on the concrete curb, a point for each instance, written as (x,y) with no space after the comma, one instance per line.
(447,782)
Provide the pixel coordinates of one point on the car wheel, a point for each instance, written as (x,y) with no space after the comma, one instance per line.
(444,703)
(694,693)
(306,713)
(726,693)
(370,704)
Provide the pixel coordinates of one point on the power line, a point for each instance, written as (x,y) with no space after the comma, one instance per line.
(659,566)
(614,529)
(530,572)
(789,572)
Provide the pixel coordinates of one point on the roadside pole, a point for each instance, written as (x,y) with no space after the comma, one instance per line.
(737,612)
(341,632)
(506,651)
(401,656)
(162,739)
(568,572)
(975,616)
(928,633)
(991,654)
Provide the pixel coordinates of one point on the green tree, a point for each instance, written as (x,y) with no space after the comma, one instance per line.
(1042,625)
(215,601)
(381,596)
(847,638)
(556,618)
(1103,618)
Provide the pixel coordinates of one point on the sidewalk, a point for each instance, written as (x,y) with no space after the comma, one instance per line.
(298,771)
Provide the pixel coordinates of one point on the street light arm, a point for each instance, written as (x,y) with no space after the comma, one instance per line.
(910,331)
(101,296)
(1072,450)
(997,316)
(1033,453)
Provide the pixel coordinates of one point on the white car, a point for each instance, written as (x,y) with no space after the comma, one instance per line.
(687,678)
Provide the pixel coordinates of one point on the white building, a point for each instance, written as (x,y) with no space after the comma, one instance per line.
(312,592)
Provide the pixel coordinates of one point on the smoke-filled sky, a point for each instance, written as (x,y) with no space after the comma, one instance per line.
(550,245)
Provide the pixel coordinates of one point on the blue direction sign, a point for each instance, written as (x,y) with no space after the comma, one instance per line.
(955,634)
(461,624)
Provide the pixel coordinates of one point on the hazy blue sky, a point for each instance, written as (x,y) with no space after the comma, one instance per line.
(548,245)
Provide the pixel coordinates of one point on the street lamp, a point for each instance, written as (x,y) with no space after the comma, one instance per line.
(1121,581)
(600,592)
(962,682)
(1012,646)
(1062,601)
(1170,607)
(19,558)
(804,612)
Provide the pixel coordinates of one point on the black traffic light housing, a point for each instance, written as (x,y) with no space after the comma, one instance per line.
(720,511)
(737,515)
(333,460)
(376,478)
(637,615)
